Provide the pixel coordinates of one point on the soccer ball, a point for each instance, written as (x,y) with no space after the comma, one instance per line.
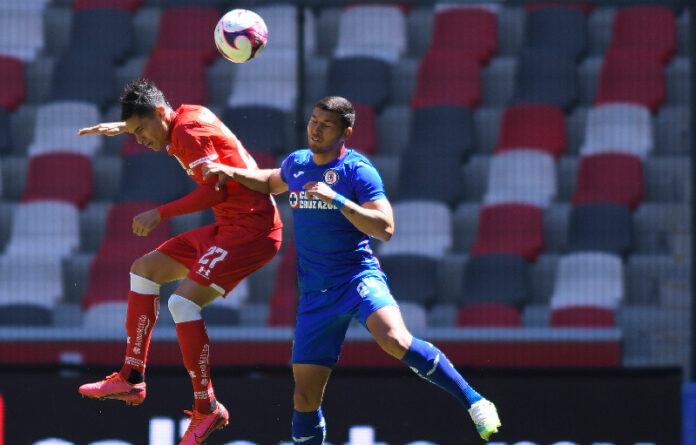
(240,35)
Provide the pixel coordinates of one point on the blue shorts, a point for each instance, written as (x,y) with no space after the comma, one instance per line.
(323,316)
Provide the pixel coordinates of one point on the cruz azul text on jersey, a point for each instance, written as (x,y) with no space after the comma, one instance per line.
(299,200)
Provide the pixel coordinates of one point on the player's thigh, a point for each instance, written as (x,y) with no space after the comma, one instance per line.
(389,330)
(200,294)
(159,267)
(310,383)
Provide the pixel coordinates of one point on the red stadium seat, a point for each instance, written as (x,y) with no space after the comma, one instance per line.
(130,5)
(131,146)
(536,126)
(649,28)
(609,177)
(488,315)
(283,301)
(189,29)
(582,316)
(364,138)
(471,30)
(108,274)
(12,80)
(633,76)
(580,6)
(60,176)
(447,78)
(515,229)
(180,76)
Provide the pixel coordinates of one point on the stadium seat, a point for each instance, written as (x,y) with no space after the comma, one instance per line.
(502,279)
(263,158)
(105,316)
(546,76)
(425,228)
(648,28)
(582,316)
(470,30)
(609,177)
(580,6)
(44,229)
(622,128)
(33,283)
(601,227)
(110,267)
(537,126)
(60,176)
(411,277)
(108,31)
(23,314)
(414,314)
(83,75)
(283,300)
(631,76)
(152,176)
(386,39)
(363,80)
(226,311)
(5,134)
(131,146)
(443,129)
(199,23)
(521,176)
(269,81)
(514,229)
(488,315)
(22,32)
(560,29)
(434,177)
(259,128)
(447,78)
(588,279)
(13,89)
(129,5)
(56,128)
(364,137)
(282,21)
(180,77)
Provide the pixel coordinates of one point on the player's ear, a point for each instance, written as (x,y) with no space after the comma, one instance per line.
(161,111)
(348,132)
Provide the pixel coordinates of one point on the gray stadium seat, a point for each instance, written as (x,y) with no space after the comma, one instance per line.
(429,176)
(559,28)
(575,129)
(450,275)
(146,25)
(683,34)
(588,79)
(392,129)
(107,171)
(475,178)
(556,219)
(510,30)
(677,80)
(487,127)
(464,225)
(496,279)
(442,315)
(536,316)
(75,276)
(546,76)
(498,81)
(410,277)
(672,135)
(22,123)
(667,179)
(57,23)
(443,129)
(567,170)
(92,225)
(419,22)
(654,222)
(600,227)
(541,276)
(599,29)
(403,80)
(253,314)
(13,177)
(6,213)
(327,28)
(645,274)
(388,168)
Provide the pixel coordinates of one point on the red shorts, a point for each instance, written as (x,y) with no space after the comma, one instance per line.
(220,256)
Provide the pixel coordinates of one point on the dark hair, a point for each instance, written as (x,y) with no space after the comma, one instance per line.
(141,98)
(341,106)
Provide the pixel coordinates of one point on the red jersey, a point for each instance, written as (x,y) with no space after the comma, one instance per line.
(196,136)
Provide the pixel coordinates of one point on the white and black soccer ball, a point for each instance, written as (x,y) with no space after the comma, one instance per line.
(240,35)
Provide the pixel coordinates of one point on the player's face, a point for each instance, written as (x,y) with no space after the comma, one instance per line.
(325,131)
(151,131)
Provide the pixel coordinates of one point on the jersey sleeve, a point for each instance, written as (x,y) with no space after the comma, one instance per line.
(195,149)
(285,168)
(367,183)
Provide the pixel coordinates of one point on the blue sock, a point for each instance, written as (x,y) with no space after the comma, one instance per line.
(431,364)
(308,428)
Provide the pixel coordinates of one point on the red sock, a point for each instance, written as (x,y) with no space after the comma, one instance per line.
(195,350)
(143,310)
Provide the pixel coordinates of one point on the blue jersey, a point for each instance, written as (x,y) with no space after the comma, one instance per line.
(330,249)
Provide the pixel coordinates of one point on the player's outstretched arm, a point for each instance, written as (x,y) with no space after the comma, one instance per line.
(104,128)
(262,181)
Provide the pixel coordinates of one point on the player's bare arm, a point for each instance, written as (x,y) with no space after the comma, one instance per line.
(374,218)
(262,181)
(104,128)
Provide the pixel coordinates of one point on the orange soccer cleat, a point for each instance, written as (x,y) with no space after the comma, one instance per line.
(117,388)
(202,425)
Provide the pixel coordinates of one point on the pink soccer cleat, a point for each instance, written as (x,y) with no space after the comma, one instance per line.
(117,388)
(202,425)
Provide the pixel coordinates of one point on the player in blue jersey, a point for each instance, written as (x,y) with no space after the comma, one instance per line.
(338,203)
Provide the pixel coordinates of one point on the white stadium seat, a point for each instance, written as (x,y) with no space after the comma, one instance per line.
(281,21)
(588,279)
(372,31)
(30,280)
(21,32)
(267,81)
(422,228)
(623,128)
(56,128)
(522,176)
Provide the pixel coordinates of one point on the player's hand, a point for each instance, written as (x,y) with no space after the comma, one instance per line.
(105,128)
(224,173)
(319,190)
(145,222)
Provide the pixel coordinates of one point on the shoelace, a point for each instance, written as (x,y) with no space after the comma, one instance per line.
(112,376)
(480,414)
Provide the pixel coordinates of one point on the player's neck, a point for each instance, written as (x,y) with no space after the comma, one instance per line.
(329,156)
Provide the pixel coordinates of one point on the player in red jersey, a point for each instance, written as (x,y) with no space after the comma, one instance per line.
(211,260)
